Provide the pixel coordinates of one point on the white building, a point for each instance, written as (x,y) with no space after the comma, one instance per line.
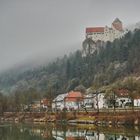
(106,33)
(137,102)
(123,102)
(95,101)
(89,100)
(74,100)
(99,101)
(58,102)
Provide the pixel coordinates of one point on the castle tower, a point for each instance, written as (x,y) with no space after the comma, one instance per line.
(117,24)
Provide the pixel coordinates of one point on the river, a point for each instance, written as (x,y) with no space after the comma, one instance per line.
(67,132)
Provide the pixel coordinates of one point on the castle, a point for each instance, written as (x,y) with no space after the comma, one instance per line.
(106,33)
(96,37)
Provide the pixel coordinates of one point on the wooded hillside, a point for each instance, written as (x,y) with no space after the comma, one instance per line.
(114,61)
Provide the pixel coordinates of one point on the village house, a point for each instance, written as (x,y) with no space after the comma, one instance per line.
(137,101)
(99,101)
(74,100)
(35,105)
(58,102)
(45,104)
(122,98)
(89,101)
(123,102)
(95,101)
(40,105)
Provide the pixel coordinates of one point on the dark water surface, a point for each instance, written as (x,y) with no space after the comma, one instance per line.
(67,132)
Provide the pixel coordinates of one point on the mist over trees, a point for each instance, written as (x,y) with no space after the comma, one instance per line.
(113,61)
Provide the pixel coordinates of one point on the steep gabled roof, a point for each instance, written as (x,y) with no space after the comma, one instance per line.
(60,97)
(117,20)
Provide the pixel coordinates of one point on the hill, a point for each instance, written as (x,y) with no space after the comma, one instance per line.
(112,62)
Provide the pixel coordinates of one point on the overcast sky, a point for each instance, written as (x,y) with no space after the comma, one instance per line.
(37,29)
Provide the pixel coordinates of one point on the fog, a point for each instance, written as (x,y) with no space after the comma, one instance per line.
(37,31)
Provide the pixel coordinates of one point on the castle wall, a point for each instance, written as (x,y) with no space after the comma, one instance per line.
(107,34)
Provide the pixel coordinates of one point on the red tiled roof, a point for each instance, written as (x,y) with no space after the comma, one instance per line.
(137,97)
(75,138)
(122,92)
(94,29)
(45,102)
(74,96)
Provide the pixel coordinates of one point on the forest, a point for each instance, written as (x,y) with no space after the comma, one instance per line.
(113,62)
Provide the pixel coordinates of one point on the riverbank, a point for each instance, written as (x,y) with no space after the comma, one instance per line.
(98,118)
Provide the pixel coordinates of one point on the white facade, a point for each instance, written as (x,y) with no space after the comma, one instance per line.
(96,36)
(99,101)
(73,105)
(137,102)
(109,34)
(123,101)
(106,33)
(89,100)
(95,101)
(89,135)
(58,102)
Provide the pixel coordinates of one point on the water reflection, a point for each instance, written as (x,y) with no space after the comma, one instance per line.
(90,135)
(65,132)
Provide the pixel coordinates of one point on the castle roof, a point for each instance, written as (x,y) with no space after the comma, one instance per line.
(117,20)
(94,29)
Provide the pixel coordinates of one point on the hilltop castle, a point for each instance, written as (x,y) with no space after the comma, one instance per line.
(106,33)
(96,37)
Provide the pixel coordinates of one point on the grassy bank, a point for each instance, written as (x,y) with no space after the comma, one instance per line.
(97,118)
